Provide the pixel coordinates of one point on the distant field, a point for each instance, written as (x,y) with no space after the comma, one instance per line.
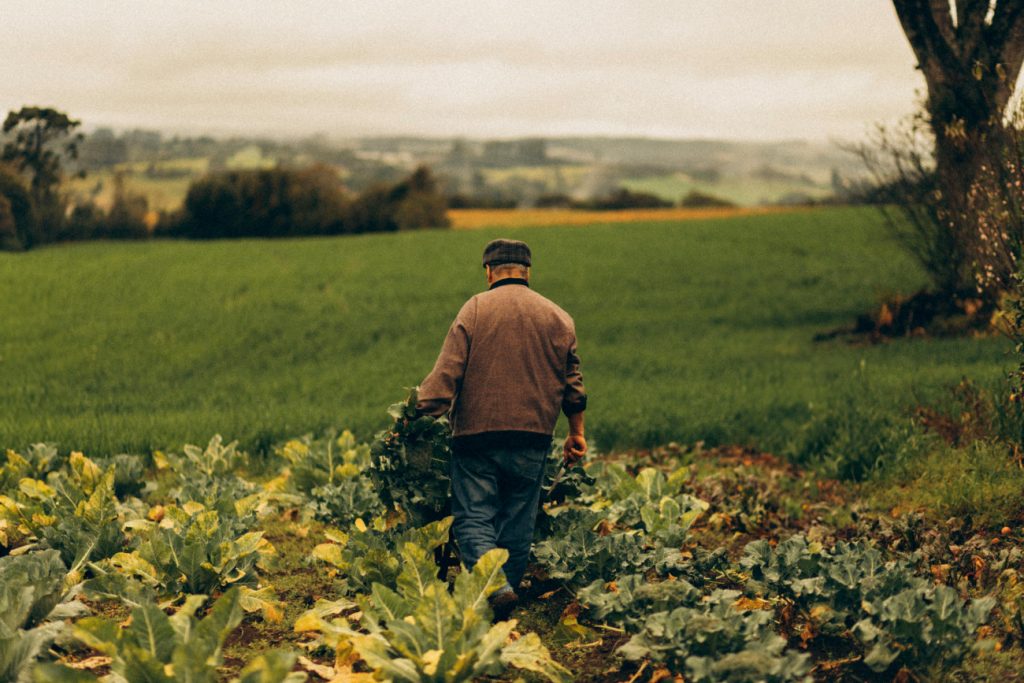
(742,191)
(163,194)
(688,330)
(467,219)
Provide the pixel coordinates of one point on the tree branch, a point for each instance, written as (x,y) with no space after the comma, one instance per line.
(970,25)
(943,19)
(934,54)
(1005,36)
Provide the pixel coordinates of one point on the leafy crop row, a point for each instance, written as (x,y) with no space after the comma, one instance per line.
(643,549)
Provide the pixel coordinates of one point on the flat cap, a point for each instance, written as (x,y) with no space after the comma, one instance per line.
(501,251)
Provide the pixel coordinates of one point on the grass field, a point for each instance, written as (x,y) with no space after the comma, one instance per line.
(697,330)
(742,191)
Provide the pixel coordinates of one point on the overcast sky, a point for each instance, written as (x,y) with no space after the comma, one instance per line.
(736,69)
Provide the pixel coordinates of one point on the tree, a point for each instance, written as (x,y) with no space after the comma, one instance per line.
(42,137)
(38,141)
(970,53)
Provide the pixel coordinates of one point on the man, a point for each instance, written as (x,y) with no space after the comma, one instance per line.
(507,367)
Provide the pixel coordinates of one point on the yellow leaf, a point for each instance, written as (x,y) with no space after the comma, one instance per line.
(35,489)
(160,460)
(746,603)
(86,470)
(39,519)
(308,622)
(325,672)
(339,537)
(430,659)
(278,483)
(192,507)
(330,553)
(347,471)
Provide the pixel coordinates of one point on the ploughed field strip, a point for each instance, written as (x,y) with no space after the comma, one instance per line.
(318,560)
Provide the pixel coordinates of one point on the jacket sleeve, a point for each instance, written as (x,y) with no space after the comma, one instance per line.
(440,388)
(574,398)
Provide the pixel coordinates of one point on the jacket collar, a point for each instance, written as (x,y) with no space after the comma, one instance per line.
(509,281)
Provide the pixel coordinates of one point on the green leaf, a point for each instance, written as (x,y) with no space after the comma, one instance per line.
(152,632)
(271,667)
(58,673)
(136,664)
(99,634)
(214,629)
(880,657)
(389,603)
(418,571)
(473,588)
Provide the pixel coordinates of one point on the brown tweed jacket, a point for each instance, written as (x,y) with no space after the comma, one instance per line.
(508,363)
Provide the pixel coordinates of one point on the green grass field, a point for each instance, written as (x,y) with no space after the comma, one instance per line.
(741,191)
(688,331)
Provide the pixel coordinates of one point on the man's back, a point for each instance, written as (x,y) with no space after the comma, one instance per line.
(517,352)
(518,361)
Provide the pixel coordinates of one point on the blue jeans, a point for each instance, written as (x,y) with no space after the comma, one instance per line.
(495,497)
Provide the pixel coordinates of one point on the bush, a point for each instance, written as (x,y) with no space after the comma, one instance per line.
(84,223)
(8,228)
(413,203)
(700,200)
(125,220)
(264,203)
(624,199)
(553,201)
(127,216)
(20,209)
(493,200)
(287,202)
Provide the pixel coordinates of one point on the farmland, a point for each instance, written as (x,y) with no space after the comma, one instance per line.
(721,564)
(700,330)
(759,505)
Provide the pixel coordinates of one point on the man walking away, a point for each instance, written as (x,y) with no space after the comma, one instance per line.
(507,367)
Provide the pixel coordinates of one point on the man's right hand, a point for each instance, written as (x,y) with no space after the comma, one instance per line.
(574,450)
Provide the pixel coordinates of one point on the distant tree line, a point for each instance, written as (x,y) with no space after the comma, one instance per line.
(285,202)
(40,144)
(619,199)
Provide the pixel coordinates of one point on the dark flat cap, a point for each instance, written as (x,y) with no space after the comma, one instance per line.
(498,252)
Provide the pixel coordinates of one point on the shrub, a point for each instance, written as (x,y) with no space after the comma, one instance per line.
(624,199)
(415,202)
(553,201)
(21,211)
(127,216)
(8,228)
(85,222)
(695,199)
(264,203)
